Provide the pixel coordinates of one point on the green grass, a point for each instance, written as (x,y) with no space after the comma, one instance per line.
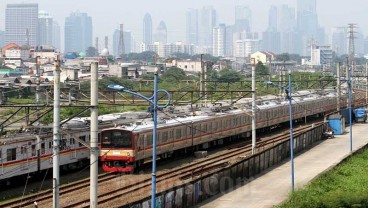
(344,186)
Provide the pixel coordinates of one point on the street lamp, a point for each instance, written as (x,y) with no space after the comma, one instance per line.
(288,90)
(153,101)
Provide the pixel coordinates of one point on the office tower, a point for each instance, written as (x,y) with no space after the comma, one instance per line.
(2,38)
(366,46)
(229,35)
(161,33)
(122,41)
(243,19)
(271,41)
(128,45)
(339,40)
(192,26)
(45,24)
(18,19)
(307,23)
(273,19)
(56,41)
(207,23)
(147,29)
(78,32)
(219,40)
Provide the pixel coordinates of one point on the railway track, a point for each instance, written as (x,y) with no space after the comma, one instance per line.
(187,172)
(47,195)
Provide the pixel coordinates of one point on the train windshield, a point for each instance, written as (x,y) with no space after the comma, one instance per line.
(116,139)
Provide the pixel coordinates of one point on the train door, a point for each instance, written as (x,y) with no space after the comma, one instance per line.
(1,162)
(24,153)
(73,154)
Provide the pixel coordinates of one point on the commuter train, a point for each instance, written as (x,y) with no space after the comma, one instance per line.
(31,151)
(126,147)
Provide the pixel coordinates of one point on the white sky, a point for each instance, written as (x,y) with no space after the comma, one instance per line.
(107,15)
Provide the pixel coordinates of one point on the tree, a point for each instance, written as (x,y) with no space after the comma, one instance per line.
(173,75)
(261,69)
(91,52)
(229,75)
(283,57)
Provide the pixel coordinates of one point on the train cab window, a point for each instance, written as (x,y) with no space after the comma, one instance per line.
(11,154)
(116,139)
(72,141)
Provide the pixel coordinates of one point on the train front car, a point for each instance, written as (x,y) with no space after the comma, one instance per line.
(117,150)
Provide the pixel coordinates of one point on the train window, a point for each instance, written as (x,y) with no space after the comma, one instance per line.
(1,156)
(72,141)
(178,134)
(149,140)
(171,134)
(83,138)
(228,123)
(165,136)
(11,154)
(50,145)
(204,128)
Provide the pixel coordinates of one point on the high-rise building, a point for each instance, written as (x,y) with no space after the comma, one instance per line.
(78,32)
(307,22)
(45,25)
(161,33)
(147,29)
(207,23)
(20,18)
(2,38)
(273,19)
(128,45)
(271,41)
(339,40)
(219,40)
(56,41)
(192,26)
(243,18)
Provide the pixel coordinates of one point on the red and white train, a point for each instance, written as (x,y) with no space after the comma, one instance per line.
(31,151)
(124,148)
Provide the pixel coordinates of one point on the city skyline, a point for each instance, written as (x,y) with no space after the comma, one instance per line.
(132,17)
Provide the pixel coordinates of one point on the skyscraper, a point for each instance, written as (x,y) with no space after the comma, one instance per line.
(18,19)
(192,26)
(243,19)
(161,33)
(45,25)
(147,29)
(78,32)
(207,23)
(2,38)
(56,35)
(219,40)
(307,22)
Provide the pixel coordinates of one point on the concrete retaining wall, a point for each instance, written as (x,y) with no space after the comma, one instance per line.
(229,178)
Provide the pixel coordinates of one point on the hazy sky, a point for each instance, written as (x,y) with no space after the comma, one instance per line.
(107,15)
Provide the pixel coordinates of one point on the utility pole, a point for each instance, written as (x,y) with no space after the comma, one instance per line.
(338,88)
(201,80)
(37,88)
(254,127)
(94,135)
(56,137)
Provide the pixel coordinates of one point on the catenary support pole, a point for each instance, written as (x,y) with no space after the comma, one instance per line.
(153,202)
(291,134)
(56,136)
(338,88)
(254,136)
(94,135)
